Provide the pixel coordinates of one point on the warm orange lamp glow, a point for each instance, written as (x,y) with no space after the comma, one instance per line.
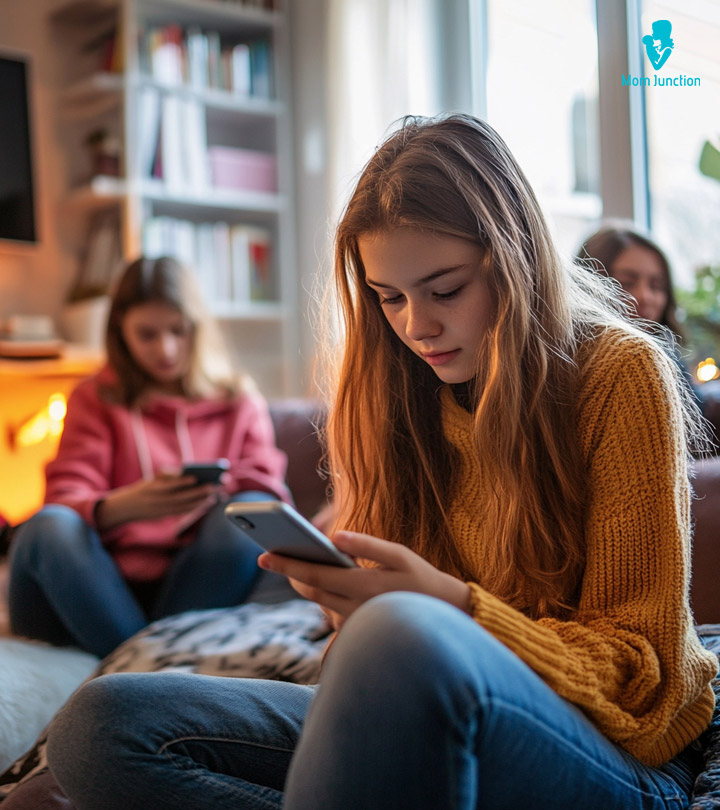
(45,423)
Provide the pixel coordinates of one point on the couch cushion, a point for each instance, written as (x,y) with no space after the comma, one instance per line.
(295,422)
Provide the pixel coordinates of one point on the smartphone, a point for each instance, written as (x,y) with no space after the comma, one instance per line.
(277,527)
(207,472)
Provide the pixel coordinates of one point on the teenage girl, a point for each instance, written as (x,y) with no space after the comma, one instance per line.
(642,269)
(510,453)
(124,537)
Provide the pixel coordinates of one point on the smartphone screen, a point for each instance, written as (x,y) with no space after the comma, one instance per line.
(207,472)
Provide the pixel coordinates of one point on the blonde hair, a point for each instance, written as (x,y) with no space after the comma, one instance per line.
(454,175)
(166,281)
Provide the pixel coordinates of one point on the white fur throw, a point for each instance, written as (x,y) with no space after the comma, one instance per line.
(35,681)
(276,641)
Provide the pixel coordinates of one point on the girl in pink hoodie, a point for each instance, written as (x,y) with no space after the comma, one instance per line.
(125,537)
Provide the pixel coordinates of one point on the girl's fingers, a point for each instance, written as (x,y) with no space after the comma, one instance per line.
(349,582)
(333,602)
(365,546)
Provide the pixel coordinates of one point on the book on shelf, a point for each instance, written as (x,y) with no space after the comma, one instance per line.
(232,263)
(261,69)
(223,262)
(182,161)
(261,275)
(241,69)
(202,59)
(171,138)
(108,49)
(148,117)
(214,64)
(197,47)
(193,140)
(102,258)
(166,57)
(251,263)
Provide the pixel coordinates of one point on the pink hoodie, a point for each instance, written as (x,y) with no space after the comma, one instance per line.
(105,446)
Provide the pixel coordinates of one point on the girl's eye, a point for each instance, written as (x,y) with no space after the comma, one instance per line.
(391,299)
(446,296)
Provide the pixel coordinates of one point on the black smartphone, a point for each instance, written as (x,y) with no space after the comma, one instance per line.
(277,527)
(207,472)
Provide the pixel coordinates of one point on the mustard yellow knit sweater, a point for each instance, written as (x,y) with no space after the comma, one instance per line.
(629,658)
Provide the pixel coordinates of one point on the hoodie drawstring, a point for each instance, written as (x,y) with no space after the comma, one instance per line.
(143,449)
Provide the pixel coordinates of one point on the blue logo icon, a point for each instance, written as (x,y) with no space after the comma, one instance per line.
(658,45)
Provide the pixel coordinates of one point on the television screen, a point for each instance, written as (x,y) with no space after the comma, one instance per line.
(17,204)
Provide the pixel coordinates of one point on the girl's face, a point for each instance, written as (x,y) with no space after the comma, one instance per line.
(640,273)
(160,340)
(433,294)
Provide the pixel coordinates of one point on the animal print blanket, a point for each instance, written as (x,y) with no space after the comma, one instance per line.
(281,642)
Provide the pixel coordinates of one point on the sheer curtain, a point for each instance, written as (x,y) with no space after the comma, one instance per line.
(384,63)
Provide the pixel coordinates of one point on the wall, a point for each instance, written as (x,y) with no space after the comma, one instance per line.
(313,228)
(34,280)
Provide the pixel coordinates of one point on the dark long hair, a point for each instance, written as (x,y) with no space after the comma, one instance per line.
(604,247)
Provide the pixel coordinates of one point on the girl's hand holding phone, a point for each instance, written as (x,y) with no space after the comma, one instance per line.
(340,591)
(166,494)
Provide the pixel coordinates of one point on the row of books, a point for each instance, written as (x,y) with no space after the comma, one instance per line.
(201,60)
(172,140)
(233,263)
(172,146)
(269,5)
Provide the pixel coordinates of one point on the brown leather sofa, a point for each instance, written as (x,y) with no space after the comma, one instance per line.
(294,420)
(705,582)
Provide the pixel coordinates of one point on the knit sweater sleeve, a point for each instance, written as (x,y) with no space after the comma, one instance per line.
(629,657)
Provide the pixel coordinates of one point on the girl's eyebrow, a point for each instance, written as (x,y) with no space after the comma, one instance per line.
(424,280)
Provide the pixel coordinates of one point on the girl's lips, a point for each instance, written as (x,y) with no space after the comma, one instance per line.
(441,357)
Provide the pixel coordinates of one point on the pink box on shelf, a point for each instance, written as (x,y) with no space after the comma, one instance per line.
(242,169)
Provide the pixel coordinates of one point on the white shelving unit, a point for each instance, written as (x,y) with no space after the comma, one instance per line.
(263,334)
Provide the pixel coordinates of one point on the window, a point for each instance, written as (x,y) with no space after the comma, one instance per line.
(684,204)
(542,92)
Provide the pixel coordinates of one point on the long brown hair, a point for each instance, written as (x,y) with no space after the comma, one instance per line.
(166,281)
(394,467)
(601,250)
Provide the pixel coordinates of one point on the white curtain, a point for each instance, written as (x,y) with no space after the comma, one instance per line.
(384,63)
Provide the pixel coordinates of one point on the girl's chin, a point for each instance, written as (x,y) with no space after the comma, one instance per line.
(166,376)
(452,376)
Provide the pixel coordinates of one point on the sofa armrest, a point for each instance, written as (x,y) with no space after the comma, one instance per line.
(705,582)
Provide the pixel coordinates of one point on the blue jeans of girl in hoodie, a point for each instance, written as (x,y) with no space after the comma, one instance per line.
(66,589)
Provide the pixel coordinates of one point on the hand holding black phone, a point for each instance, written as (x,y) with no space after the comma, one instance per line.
(207,472)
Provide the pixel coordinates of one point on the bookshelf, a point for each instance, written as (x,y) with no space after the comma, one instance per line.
(196,94)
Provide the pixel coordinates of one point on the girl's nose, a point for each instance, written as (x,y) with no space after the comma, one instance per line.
(168,346)
(420,323)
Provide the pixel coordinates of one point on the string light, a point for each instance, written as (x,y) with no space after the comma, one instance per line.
(708,370)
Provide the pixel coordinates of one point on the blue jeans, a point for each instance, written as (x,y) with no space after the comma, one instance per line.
(66,589)
(418,707)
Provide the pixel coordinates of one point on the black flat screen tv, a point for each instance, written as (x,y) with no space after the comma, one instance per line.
(17,198)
